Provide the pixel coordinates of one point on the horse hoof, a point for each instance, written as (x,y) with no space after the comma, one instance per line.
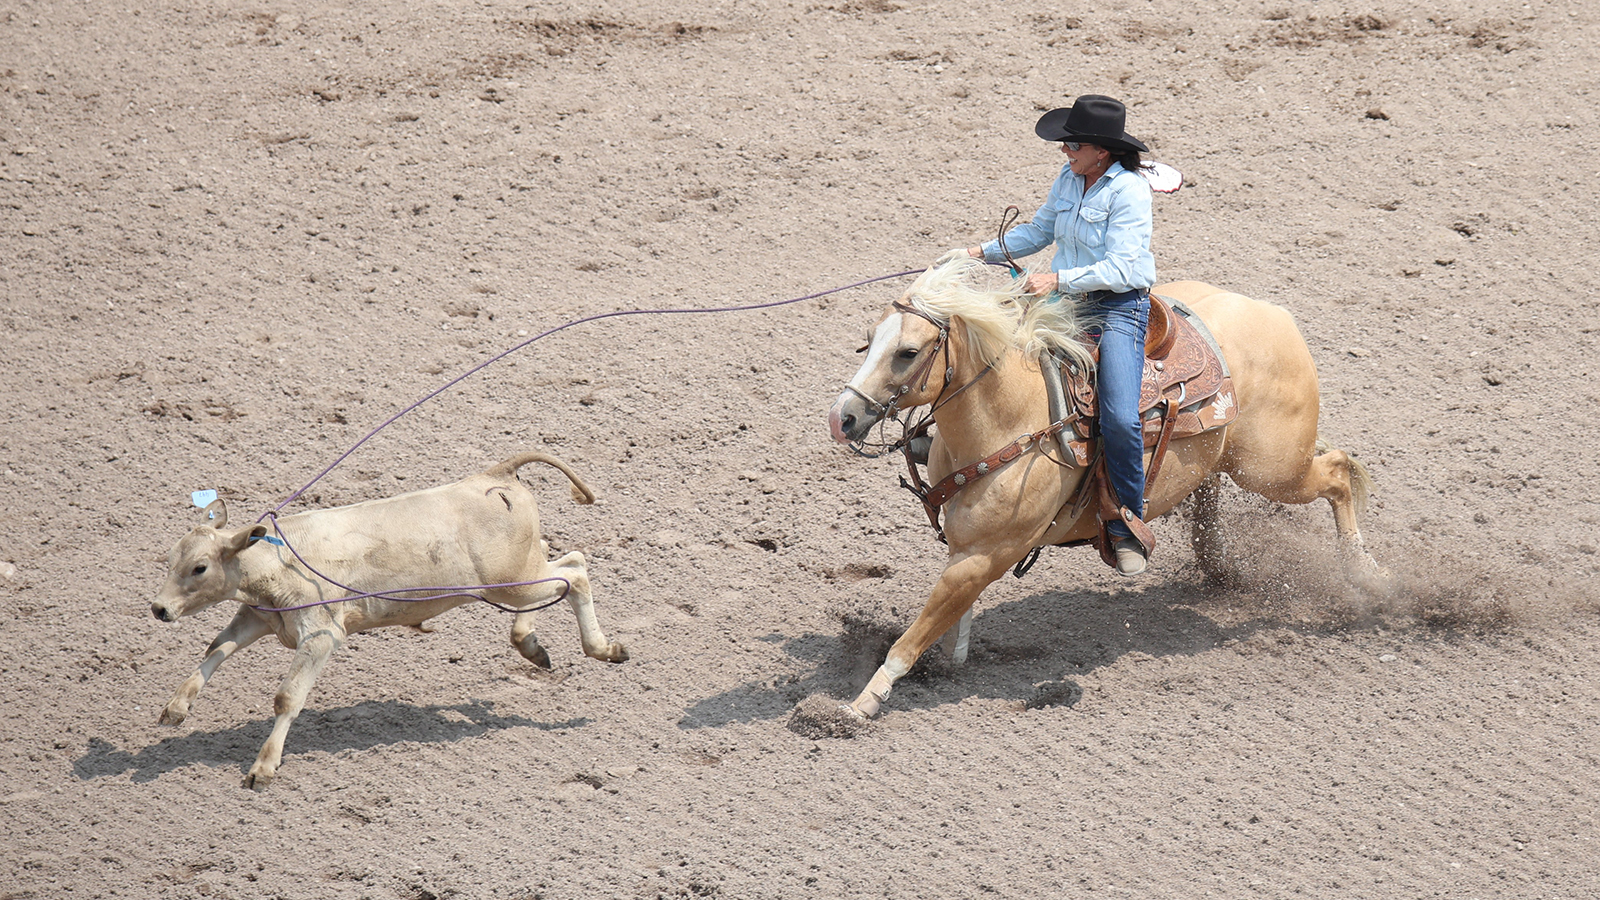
(865,706)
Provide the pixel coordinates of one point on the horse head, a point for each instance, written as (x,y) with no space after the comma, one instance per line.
(946,329)
(902,371)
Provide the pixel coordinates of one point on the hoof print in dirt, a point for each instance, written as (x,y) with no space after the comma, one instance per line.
(819,716)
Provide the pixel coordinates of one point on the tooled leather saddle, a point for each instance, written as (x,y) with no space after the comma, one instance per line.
(1187,390)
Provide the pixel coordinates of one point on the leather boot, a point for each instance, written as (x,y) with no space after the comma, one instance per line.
(1131,558)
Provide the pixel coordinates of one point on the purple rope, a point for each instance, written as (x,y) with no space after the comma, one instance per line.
(453,591)
(595,318)
(465,590)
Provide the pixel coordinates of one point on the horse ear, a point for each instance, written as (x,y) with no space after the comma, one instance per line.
(215,514)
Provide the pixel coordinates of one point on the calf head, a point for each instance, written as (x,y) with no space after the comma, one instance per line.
(203,567)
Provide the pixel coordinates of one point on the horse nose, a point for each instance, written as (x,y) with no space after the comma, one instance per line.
(840,422)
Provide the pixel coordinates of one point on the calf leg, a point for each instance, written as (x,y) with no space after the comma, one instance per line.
(247,627)
(573,570)
(309,658)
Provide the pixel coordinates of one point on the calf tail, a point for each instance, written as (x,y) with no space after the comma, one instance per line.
(508,469)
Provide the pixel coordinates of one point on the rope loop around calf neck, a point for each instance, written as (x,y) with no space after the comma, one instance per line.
(443,591)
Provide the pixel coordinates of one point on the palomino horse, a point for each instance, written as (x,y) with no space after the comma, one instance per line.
(985,388)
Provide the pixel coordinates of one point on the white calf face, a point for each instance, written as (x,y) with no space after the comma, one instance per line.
(202,569)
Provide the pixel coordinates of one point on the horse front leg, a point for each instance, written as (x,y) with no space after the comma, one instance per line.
(952,598)
(247,627)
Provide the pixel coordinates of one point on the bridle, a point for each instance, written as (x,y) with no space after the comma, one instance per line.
(919,377)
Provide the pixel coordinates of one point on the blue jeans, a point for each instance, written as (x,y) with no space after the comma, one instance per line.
(1123,319)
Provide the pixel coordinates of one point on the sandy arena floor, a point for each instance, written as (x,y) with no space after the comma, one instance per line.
(234,238)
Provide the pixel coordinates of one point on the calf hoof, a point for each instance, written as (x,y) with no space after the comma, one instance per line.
(259,779)
(533,652)
(614,652)
(172,715)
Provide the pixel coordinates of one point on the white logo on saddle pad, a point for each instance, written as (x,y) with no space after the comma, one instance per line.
(1221,405)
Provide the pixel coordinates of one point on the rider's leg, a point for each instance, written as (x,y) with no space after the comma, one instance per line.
(1121,373)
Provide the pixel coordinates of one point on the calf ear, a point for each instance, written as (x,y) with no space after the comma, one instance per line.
(241,539)
(215,514)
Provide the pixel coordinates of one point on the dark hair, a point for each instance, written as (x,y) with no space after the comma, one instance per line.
(1130,159)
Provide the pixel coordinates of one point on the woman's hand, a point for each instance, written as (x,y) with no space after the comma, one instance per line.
(1044,283)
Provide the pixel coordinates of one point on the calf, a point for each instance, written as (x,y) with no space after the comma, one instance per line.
(481,531)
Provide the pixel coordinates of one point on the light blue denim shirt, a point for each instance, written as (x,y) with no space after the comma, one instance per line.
(1102,240)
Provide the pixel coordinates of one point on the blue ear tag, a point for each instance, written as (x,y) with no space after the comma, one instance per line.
(203,499)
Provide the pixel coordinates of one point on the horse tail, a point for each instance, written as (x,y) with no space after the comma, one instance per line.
(508,469)
(1360,478)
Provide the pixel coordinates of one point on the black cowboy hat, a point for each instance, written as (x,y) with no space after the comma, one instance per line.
(1093,119)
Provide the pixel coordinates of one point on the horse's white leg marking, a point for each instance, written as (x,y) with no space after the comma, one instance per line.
(952,598)
(878,689)
(247,627)
(956,639)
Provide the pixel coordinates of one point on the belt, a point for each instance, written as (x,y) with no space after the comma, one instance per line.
(1102,296)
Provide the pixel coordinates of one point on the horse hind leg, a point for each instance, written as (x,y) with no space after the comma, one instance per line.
(1205,530)
(956,640)
(1337,477)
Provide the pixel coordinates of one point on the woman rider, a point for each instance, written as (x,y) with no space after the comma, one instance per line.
(1097,213)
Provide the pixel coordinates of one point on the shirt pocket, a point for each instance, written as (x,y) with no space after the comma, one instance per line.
(1093,220)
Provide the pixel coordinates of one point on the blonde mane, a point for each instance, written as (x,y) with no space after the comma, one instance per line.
(999,319)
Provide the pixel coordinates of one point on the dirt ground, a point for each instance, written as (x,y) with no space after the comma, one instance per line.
(238,236)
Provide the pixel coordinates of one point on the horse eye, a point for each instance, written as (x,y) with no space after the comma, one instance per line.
(199,570)
(908,353)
